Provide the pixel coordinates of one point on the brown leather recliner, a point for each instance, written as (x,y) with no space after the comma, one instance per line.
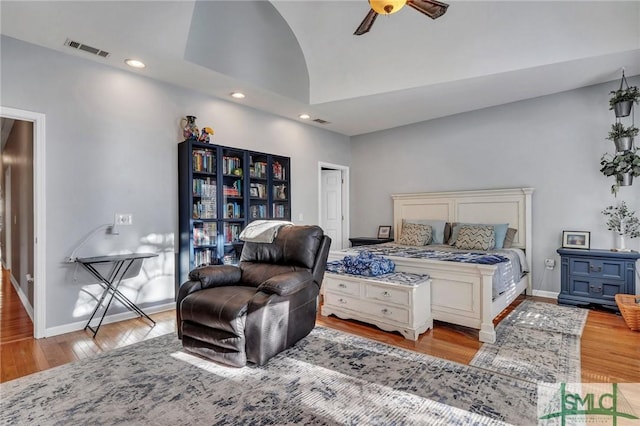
(253,311)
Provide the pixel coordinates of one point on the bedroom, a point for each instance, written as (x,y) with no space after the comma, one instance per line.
(551,143)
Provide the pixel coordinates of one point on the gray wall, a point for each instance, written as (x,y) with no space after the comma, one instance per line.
(111,146)
(552,143)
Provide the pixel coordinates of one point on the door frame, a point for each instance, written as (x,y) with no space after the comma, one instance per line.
(345,197)
(39,217)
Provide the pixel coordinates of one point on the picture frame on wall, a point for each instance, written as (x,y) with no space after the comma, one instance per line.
(384,231)
(576,239)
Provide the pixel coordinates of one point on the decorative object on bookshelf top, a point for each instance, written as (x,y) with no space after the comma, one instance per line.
(190,129)
(205,136)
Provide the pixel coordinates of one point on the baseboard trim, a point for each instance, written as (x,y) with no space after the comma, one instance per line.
(68,328)
(543,293)
(23,297)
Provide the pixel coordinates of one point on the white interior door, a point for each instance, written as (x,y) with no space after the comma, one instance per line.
(331,215)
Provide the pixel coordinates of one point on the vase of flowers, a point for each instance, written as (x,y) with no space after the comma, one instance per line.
(623,165)
(623,222)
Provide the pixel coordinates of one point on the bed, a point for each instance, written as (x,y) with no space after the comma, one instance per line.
(462,293)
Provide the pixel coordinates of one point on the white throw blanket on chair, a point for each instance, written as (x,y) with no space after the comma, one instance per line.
(262,231)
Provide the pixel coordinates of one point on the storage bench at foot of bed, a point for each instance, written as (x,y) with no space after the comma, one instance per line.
(393,302)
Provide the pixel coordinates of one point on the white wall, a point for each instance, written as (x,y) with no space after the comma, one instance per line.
(552,143)
(111,146)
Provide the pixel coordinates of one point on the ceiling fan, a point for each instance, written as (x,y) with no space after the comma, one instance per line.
(432,8)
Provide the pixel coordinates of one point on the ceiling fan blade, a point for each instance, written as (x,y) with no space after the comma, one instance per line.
(367,23)
(432,8)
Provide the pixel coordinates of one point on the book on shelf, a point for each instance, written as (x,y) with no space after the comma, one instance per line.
(258,211)
(231,165)
(203,257)
(204,234)
(232,232)
(258,170)
(234,190)
(204,160)
(279,211)
(233,211)
(205,209)
(204,188)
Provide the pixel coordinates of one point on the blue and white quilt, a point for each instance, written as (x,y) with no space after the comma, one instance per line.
(482,258)
(509,263)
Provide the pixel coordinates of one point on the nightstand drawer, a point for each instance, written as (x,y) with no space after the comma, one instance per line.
(597,268)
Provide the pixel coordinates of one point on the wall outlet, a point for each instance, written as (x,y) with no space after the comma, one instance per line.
(123,219)
(549,263)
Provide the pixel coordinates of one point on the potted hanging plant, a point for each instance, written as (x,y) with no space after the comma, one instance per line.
(622,100)
(622,136)
(623,222)
(623,165)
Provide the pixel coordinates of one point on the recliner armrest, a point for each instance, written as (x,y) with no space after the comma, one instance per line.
(216,276)
(287,283)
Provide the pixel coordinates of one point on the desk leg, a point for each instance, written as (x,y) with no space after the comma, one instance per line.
(108,285)
(113,289)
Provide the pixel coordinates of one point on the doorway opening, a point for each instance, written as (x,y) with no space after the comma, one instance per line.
(333,203)
(34,281)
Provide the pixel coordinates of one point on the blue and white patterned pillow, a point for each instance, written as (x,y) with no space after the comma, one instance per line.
(415,234)
(476,237)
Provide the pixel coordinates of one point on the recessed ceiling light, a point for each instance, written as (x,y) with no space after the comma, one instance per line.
(304,116)
(134,63)
(237,95)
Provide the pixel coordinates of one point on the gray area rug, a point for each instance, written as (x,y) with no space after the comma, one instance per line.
(537,342)
(328,378)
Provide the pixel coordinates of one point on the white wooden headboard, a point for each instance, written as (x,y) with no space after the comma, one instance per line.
(512,206)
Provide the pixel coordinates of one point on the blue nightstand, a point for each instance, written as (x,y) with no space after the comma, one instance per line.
(596,276)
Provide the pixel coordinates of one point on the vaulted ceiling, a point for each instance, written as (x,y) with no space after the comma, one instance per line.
(298,56)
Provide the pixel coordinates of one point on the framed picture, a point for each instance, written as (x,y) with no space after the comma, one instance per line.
(253,191)
(384,231)
(576,239)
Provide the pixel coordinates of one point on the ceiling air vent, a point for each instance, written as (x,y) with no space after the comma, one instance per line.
(320,121)
(86,48)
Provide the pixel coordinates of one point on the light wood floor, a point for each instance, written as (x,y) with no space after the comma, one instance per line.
(610,351)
